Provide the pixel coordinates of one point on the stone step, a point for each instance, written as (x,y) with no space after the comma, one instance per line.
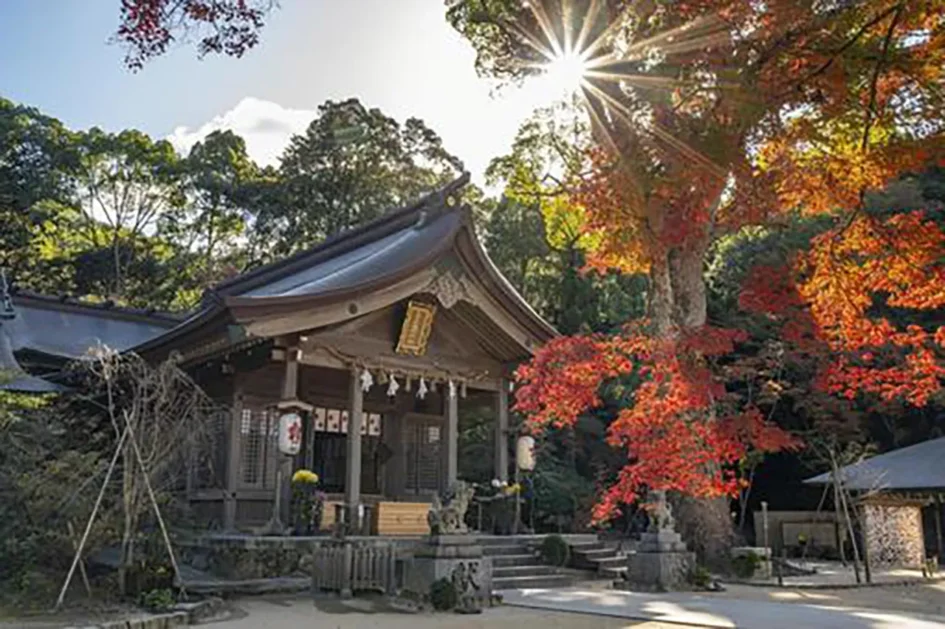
(616,561)
(534,581)
(499,561)
(597,553)
(587,546)
(496,551)
(499,540)
(614,573)
(521,571)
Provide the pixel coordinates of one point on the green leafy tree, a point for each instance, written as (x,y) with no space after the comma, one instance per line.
(350,165)
(127,186)
(210,228)
(536,234)
(36,181)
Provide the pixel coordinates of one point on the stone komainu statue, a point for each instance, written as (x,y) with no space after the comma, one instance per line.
(447,515)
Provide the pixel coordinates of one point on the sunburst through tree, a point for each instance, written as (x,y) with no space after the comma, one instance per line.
(708,116)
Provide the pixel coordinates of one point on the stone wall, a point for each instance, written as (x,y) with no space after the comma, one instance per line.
(784,526)
(894,534)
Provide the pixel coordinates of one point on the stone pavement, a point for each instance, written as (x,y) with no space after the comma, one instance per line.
(709,610)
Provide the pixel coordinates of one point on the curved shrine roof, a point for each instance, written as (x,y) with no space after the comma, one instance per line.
(362,260)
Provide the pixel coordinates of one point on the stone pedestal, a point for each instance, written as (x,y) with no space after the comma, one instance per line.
(662,561)
(458,558)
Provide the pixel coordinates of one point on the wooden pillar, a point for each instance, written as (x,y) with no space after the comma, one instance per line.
(452,435)
(233,443)
(290,392)
(938,528)
(502,431)
(353,451)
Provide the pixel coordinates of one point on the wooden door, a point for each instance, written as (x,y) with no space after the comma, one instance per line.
(422,442)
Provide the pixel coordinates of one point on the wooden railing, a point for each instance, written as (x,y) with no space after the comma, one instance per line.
(348,567)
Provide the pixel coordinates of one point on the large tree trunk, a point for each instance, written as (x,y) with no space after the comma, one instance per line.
(677,303)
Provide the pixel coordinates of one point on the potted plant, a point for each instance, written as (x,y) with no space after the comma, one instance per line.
(307,502)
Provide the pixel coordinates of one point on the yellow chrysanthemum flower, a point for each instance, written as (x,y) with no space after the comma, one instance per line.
(305,476)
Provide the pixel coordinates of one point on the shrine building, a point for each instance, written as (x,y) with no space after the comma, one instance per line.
(375,337)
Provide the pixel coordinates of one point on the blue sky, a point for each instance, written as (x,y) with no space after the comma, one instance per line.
(398,55)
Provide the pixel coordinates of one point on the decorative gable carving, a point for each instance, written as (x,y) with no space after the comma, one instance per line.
(449,289)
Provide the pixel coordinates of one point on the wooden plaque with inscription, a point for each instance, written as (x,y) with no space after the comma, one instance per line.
(415,331)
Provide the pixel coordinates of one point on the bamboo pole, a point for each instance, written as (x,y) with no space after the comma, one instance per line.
(88,525)
(75,546)
(154,504)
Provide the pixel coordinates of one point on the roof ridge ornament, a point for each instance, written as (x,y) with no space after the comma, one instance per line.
(7,311)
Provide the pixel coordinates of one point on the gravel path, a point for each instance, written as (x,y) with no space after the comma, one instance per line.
(300,612)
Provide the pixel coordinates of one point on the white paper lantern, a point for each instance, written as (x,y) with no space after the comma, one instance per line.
(525,453)
(290,434)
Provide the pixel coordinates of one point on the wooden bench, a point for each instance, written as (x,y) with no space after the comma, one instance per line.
(401,518)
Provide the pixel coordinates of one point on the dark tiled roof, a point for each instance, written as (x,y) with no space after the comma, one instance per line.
(67,329)
(12,376)
(917,467)
(358,261)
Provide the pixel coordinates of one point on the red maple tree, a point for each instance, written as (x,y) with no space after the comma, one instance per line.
(710,116)
(149,27)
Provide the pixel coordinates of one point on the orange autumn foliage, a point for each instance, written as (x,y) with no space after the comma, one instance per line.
(856,300)
(668,444)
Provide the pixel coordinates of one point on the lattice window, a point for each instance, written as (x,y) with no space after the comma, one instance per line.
(259,431)
(208,468)
(422,441)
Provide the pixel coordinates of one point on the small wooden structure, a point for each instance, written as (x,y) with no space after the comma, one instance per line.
(897,492)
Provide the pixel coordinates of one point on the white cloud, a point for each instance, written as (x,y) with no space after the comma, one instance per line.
(266,127)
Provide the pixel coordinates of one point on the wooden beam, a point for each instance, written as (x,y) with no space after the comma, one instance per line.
(319,351)
(307,318)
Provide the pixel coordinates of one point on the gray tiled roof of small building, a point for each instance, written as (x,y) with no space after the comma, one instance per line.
(916,467)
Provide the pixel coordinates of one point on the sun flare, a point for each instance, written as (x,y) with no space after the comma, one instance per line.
(566,72)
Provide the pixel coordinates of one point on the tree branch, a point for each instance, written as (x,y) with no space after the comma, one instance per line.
(876,72)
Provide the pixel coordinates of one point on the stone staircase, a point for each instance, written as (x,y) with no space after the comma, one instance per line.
(516,565)
(607,559)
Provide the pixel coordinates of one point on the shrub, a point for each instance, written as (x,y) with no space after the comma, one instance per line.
(555,551)
(700,577)
(744,566)
(443,595)
(159,600)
